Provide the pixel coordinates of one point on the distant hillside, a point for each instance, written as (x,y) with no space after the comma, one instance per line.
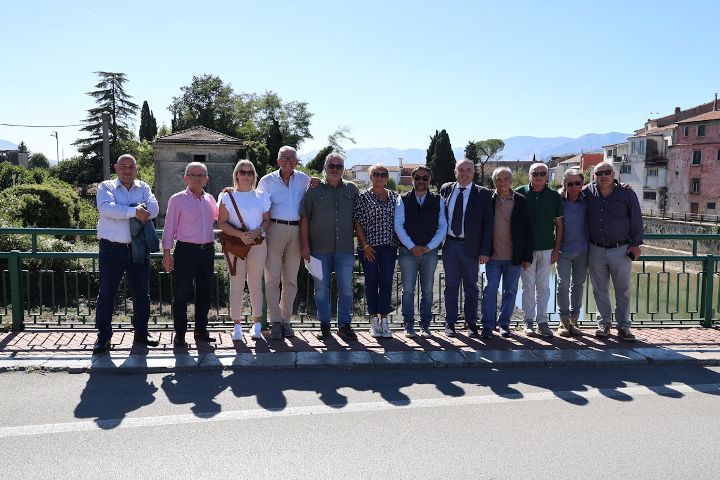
(7,145)
(516,148)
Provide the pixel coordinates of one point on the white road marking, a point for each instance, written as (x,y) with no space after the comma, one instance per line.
(259,413)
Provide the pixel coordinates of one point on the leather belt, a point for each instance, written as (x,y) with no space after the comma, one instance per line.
(114,244)
(285,222)
(611,245)
(457,239)
(201,246)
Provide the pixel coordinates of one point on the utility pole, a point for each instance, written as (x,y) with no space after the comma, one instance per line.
(57,146)
(106,145)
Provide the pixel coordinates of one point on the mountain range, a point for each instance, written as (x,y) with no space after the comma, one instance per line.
(516,148)
(7,145)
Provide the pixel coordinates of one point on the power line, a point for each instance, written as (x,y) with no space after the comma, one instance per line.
(42,126)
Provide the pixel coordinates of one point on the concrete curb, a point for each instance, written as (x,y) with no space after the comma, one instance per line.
(186,362)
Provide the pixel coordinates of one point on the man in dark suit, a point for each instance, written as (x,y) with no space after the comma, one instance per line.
(469,213)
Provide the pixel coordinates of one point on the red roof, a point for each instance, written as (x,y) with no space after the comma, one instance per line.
(714,115)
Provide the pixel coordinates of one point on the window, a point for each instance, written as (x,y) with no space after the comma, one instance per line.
(686,131)
(649,195)
(652,172)
(697,157)
(718,155)
(695,185)
(701,131)
(199,158)
(711,206)
(637,147)
(625,168)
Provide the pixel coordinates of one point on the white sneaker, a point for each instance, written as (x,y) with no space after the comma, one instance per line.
(256,331)
(385,328)
(425,332)
(375,329)
(237,335)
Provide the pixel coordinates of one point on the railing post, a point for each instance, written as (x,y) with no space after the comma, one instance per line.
(15,271)
(706,304)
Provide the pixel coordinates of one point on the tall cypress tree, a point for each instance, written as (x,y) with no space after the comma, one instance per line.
(274,140)
(442,160)
(148,124)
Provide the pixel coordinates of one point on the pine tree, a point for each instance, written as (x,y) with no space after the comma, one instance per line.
(148,124)
(318,162)
(442,160)
(110,97)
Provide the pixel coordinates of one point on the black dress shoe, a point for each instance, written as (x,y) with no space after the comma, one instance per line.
(145,340)
(204,337)
(179,342)
(101,345)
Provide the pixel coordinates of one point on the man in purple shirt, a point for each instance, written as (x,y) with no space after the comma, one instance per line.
(615,231)
(189,222)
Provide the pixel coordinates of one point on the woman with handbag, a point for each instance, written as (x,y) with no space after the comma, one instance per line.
(244,214)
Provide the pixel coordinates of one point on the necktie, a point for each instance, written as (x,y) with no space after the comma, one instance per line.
(457,217)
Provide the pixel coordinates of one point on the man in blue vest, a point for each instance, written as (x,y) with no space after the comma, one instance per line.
(420,226)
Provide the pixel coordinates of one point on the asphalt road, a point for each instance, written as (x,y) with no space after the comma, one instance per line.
(555,423)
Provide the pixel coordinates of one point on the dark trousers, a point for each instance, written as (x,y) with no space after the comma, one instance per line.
(379,278)
(114,261)
(460,269)
(192,264)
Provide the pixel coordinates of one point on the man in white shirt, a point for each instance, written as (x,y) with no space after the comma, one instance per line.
(118,201)
(286,187)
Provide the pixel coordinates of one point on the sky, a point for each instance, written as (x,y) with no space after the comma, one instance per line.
(391,71)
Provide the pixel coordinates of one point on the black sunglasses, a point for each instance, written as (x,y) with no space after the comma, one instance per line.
(246,173)
(380,174)
(541,173)
(335,166)
(422,178)
(574,184)
(602,173)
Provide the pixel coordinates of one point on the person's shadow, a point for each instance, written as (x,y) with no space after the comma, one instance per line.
(198,388)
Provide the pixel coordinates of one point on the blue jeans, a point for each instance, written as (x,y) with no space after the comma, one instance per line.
(572,269)
(115,260)
(410,266)
(460,267)
(510,274)
(379,278)
(342,264)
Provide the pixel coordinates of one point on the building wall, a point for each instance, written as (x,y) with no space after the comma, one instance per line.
(170,163)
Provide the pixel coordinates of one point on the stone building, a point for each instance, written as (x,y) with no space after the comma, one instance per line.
(173,152)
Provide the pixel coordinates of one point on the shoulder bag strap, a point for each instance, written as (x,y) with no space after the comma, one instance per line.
(237,210)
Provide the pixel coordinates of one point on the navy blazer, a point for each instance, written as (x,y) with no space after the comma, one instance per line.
(479,218)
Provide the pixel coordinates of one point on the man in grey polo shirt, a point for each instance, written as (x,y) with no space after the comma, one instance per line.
(615,229)
(326,233)
(286,187)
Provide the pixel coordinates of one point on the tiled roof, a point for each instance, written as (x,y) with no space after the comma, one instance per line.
(684,114)
(200,135)
(714,115)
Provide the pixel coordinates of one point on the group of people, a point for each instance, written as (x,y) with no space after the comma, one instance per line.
(287,217)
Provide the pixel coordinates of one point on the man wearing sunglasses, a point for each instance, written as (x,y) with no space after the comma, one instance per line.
(420,226)
(546,207)
(326,233)
(615,230)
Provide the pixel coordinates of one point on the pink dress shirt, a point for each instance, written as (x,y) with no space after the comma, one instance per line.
(189,219)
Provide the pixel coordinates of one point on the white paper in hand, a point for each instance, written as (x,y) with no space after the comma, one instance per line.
(314,266)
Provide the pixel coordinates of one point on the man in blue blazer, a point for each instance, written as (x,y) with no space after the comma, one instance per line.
(469,213)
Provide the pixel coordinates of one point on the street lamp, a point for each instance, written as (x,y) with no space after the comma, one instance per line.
(57,146)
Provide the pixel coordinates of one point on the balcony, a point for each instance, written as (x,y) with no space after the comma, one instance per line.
(656,160)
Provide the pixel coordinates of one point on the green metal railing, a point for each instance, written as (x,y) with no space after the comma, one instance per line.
(36,293)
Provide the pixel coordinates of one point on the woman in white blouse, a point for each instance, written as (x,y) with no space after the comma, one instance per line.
(254,207)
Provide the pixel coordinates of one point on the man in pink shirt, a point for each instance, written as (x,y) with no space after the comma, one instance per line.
(189,222)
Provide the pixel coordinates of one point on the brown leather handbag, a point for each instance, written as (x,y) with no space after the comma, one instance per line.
(234,245)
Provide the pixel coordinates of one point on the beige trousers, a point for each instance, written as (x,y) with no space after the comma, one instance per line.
(281,266)
(250,270)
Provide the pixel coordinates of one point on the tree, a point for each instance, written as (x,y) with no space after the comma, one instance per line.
(472,154)
(148,124)
(111,97)
(488,150)
(259,155)
(208,102)
(259,112)
(164,131)
(442,160)
(22,148)
(334,139)
(38,160)
(274,140)
(78,170)
(318,162)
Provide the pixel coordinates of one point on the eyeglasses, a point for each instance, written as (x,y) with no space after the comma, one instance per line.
(288,159)
(602,173)
(422,178)
(541,173)
(335,166)
(246,173)
(196,176)
(574,184)
(380,174)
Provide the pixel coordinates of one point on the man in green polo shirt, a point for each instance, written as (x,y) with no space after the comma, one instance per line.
(546,207)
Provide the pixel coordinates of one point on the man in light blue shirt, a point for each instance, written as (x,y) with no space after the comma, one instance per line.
(286,187)
(420,226)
